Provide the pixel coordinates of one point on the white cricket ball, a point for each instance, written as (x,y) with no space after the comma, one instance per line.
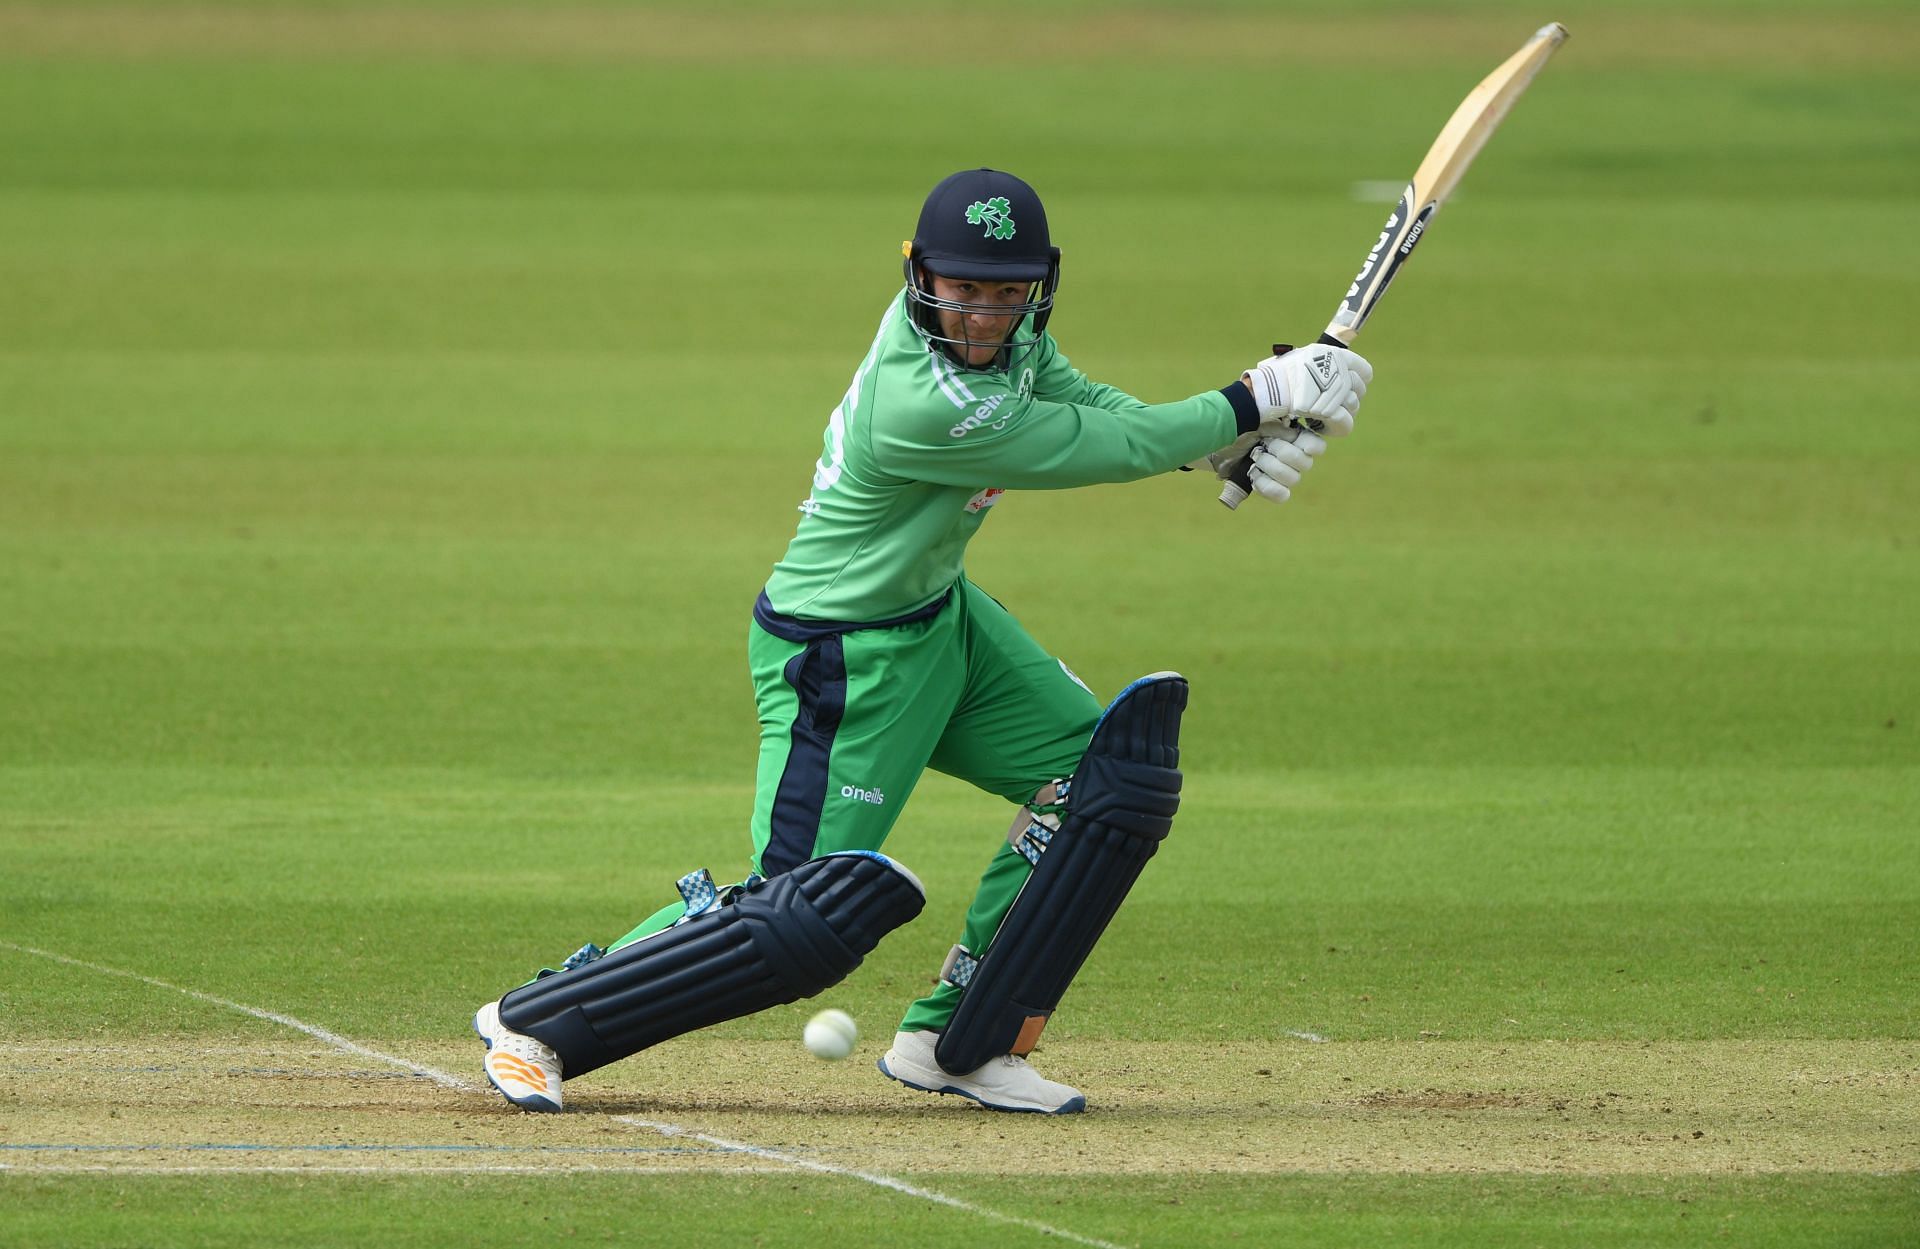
(831,1035)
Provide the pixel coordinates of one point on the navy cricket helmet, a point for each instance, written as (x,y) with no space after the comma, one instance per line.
(987,226)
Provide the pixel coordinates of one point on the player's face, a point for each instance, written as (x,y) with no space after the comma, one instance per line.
(984,329)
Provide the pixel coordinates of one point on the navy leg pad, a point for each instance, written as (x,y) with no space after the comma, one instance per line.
(1123,799)
(784,939)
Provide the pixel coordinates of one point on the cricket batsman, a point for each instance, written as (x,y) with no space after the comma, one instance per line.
(875,658)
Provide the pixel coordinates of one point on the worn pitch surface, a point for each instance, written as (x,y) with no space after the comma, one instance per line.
(1577,1108)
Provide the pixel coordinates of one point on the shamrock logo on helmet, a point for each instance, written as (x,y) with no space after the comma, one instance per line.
(996,214)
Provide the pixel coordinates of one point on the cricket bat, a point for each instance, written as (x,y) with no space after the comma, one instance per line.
(1465,133)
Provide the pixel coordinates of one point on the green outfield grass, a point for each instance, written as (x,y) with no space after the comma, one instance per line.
(399,412)
(1334,1214)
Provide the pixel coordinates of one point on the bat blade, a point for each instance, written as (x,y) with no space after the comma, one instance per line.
(1446,162)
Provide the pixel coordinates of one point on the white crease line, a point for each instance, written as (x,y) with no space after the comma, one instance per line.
(333,1039)
(445,1080)
(1315,1037)
(884,1181)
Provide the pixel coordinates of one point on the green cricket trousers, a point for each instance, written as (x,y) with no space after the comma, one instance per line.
(852,714)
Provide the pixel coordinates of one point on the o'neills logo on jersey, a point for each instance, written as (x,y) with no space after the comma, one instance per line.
(854,792)
(984,500)
(981,416)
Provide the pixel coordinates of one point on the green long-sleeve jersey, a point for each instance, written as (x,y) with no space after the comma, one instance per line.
(919,449)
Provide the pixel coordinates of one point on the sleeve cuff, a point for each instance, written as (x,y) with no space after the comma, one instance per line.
(1246,412)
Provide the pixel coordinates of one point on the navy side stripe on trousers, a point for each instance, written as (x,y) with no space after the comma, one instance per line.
(818,675)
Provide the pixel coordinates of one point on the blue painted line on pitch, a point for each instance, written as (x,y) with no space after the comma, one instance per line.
(295,1072)
(220,1147)
(453,1083)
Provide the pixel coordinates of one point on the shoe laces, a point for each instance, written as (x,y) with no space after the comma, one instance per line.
(521,1045)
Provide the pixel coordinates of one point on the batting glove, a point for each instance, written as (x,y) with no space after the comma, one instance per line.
(1318,386)
(1279,462)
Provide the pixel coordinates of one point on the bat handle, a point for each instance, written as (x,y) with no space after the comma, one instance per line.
(1239,475)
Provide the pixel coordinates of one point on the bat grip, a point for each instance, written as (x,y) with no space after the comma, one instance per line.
(1239,474)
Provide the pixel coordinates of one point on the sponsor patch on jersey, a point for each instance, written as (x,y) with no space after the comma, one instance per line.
(1071,674)
(981,415)
(985,499)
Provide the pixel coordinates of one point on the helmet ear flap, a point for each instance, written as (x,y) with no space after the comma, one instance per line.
(918,288)
(1052,284)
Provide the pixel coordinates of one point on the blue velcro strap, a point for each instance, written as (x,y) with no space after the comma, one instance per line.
(1033,841)
(1034,827)
(698,891)
(959,968)
(588,953)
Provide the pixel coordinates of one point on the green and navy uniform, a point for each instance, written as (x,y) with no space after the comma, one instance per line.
(874,658)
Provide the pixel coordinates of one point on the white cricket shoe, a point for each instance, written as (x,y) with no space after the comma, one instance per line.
(526,1071)
(1006,1083)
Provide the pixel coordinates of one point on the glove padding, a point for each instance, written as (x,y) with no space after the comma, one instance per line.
(1226,460)
(1278,462)
(1318,386)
